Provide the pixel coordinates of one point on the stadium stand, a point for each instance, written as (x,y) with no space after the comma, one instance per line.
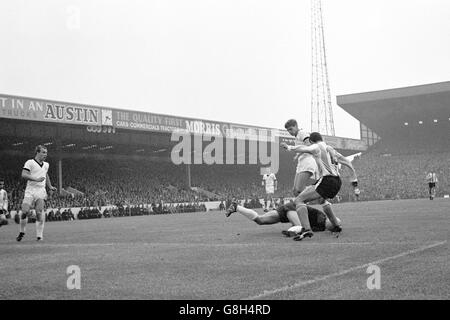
(381,176)
(133,171)
(398,176)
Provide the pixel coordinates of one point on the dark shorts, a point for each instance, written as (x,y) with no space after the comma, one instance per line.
(283,210)
(316,217)
(432,185)
(328,187)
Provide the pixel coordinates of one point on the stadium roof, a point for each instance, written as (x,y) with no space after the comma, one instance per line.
(71,126)
(384,111)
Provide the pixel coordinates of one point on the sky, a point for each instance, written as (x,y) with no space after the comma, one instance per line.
(241,61)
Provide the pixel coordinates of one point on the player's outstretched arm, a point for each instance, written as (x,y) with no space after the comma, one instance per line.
(312,149)
(345,162)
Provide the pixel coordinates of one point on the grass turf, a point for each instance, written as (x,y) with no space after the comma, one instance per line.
(207,256)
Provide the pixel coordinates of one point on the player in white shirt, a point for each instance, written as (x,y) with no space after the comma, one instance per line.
(270,181)
(432,180)
(35,171)
(327,187)
(306,170)
(3,204)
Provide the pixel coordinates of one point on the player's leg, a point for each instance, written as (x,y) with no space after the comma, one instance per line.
(329,226)
(309,194)
(287,213)
(296,228)
(27,203)
(327,209)
(234,207)
(3,220)
(328,188)
(40,219)
(270,195)
(270,217)
(301,181)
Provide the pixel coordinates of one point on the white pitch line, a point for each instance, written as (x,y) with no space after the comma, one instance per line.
(340,273)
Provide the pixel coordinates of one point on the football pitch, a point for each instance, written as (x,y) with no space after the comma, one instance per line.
(207,256)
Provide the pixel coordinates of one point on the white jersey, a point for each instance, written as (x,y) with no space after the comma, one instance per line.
(432,178)
(334,160)
(36,170)
(301,135)
(305,161)
(323,160)
(269,179)
(3,199)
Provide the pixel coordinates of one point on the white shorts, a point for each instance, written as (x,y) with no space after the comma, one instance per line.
(270,190)
(31,195)
(308,165)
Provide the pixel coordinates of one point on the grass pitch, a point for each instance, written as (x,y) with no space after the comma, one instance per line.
(207,256)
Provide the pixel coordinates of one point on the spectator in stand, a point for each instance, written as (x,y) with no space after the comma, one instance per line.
(384,173)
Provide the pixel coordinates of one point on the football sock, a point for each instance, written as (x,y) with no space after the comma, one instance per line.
(23,224)
(293,218)
(330,214)
(302,211)
(39,228)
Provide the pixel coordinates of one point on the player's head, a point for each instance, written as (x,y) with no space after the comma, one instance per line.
(304,136)
(292,127)
(40,152)
(315,137)
(329,225)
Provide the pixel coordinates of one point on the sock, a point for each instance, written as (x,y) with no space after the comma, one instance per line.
(326,206)
(249,213)
(23,224)
(40,228)
(293,218)
(302,212)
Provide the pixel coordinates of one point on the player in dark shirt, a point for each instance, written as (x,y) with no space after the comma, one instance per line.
(285,213)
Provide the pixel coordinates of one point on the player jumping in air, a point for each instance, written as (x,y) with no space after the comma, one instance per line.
(327,187)
(3,204)
(35,172)
(307,170)
(306,174)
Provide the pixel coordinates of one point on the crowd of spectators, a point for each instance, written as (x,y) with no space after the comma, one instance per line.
(142,188)
(57,215)
(390,176)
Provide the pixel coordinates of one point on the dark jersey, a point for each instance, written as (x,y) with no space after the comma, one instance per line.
(316,217)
